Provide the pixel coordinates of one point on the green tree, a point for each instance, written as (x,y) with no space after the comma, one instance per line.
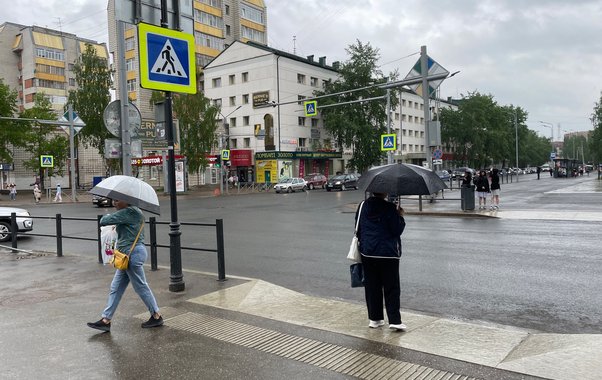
(357,125)
(11,132)
(596,136)
(197,121)
(93,79)
(42,139)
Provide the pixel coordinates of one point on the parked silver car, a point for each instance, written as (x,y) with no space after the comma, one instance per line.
(24,222)
(290,184)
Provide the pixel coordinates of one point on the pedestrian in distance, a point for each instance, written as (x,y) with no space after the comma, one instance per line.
(495,189)
(59,194)
(13,192)
(381,224)
(482,185)
(467,179)
(129,224)
(37,193)
(538,172)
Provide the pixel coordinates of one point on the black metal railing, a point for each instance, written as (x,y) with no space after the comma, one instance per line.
(153,245)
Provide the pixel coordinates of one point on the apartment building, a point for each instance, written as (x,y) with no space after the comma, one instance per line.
(35,60)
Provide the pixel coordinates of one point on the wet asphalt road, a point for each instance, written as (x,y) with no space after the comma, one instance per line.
(540,274)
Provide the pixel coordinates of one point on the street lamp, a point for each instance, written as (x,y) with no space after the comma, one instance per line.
(551,126)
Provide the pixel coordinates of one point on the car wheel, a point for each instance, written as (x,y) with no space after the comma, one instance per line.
(289,190)
(4,231)
(343,187)
(311,186)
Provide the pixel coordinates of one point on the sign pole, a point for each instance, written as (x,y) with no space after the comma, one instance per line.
(426,105)
(126,156)
(176,278)
(72,152)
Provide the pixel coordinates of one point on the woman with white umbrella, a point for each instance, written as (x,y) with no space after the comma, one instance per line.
(129,222)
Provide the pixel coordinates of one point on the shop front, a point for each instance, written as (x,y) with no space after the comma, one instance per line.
(241,165)
(272,166)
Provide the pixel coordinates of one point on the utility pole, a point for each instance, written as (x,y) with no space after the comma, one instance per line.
(426,105)
(72,152)
(516,140)
(389,153)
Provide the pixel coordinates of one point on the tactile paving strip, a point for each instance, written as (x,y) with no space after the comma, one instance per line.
(324,355)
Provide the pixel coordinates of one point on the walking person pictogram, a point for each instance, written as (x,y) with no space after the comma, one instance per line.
(169,60)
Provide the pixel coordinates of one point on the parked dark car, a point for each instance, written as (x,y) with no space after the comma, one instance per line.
(444,175)
(342,182)
(99,201)
(316,180)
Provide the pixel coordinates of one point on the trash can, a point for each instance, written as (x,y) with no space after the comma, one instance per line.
(467,198)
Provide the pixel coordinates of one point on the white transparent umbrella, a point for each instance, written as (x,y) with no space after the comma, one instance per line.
(129,189)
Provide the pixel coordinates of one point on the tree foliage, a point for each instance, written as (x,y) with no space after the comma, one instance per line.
(11,132)
(93,79)
(482,133)
(357,125)
(42,139)
(595,144)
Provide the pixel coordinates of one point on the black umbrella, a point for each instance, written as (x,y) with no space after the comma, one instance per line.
(401,179)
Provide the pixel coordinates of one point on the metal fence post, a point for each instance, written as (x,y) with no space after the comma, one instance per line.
(153,243)
(221,265)
(100,247)
(59,236)
(13,231)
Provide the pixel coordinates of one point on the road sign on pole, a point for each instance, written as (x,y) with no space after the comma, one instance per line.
(47,161)
(311,108)
(388,142)
(167,60)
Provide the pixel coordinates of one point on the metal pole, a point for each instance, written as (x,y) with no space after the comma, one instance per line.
(72,152)
(152,221)
(126,164)
(100,247)
(176,278)
(516,141)
(401,125)
(426,104)
(59,236)
(221,262)
(389,153)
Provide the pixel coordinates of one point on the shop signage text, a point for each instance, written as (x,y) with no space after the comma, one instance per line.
(296,155)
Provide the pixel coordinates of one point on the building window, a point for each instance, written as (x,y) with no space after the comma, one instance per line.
(251,13)
(409,103)
(252,34)
(300,78)
(301,121)
(245,77)
(209,41)
(232,79)
(245,99)
(396,115)
(404,131)
(55,55)
(302,142)
(227,10)
(232,122)
(233,143)
(247,142)
(208,19)
(50,84)
(403,103)
(233,100)
(314,123)
(70,66)
(245,120)
(130,44)
(416,105)
(313,82)
(300,98)
(132,85)
(217,82)
(129,64)
(217,103)
(72,82)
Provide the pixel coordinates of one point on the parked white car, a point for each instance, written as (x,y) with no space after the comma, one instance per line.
(24,222)
(290,184)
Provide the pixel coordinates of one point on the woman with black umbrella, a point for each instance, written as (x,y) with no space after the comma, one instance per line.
(380,226)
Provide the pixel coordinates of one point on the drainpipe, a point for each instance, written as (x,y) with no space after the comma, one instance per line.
(278,97)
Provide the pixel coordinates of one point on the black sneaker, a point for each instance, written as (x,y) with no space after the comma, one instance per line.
(100,325)
(153,322)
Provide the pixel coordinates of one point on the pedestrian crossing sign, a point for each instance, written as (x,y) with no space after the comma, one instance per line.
(225,154)
(47,161)
(167,60)
(311,108)
(388,142)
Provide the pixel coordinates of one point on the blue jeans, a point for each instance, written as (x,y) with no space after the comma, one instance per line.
(135,274)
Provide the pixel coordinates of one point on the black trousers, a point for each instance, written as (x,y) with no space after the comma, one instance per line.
(382,279)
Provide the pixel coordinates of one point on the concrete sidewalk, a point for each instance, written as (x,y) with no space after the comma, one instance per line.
(251,329)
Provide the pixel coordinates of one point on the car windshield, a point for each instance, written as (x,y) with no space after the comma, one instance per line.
(286,180)
(338,178)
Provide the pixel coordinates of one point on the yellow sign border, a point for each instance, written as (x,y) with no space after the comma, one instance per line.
(382,142)
(145,81)
(315,113)
(225,154)
(42,161)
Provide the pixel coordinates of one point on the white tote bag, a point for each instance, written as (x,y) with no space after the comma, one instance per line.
(354,249)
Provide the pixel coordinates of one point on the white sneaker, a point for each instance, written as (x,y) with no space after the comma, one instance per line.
(399,327)
(376,324)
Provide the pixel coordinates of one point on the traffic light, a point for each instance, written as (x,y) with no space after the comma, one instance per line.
(218,162)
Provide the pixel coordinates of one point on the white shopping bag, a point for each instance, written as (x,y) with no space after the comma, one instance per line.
(108,239)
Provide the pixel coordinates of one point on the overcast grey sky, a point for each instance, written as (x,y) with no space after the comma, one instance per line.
(542,55)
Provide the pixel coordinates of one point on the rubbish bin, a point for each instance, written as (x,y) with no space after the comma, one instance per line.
(467,198)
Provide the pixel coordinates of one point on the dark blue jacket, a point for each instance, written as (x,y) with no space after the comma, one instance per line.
(380,229)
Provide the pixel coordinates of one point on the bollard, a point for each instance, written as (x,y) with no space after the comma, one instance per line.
(59,236)
(221,269)
(153,244)
(13,231)
(100,247)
